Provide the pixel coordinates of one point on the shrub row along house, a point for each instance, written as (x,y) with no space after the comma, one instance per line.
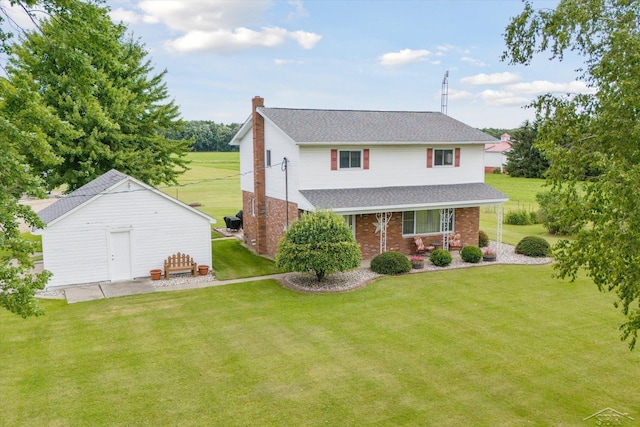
(392,175)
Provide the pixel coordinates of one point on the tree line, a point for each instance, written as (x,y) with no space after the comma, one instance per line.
(205,135)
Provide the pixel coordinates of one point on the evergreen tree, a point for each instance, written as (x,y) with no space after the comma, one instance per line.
(97,78)
(524,159)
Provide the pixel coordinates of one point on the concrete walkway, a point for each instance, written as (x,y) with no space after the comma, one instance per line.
(74,294)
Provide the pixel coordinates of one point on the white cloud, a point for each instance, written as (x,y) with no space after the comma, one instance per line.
(228,41)
(305,39)
(502,98)
(491,79)
(543,86)
(472,61)
(186,16)
(403,57)
(219,26)
(455,95)
(278,61)
(126,16)
(299,9)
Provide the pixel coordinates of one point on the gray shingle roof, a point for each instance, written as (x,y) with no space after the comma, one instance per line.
(361,199)
(81,195)
(309,126)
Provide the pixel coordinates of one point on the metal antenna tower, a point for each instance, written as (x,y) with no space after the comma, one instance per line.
(445,93)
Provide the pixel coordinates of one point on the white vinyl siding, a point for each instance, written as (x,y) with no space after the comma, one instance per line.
(76,247)
(390,166)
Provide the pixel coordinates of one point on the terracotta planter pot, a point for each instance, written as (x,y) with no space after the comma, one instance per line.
(203,270)
(155,274)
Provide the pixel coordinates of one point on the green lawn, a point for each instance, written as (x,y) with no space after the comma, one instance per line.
(213,181)
(486,346)
(231,260)
(522,196)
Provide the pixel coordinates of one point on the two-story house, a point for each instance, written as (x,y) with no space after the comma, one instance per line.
(393,175)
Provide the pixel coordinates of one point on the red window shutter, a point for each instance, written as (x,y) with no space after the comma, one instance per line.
(429,157)
(334,160)
(365,160)
(457,159)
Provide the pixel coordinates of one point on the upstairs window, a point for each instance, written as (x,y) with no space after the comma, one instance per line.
(350,159)
(443,157)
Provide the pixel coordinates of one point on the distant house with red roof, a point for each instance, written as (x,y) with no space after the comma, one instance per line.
(495,154)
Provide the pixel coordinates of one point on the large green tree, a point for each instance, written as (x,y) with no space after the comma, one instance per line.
(25,125)
(524,159)
(593,139)
(320,242)
(97,77)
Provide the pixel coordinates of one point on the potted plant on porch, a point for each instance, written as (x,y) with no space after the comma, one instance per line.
(489,255)
(417,262)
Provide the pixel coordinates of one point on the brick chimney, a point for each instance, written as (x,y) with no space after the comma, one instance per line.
(259,186)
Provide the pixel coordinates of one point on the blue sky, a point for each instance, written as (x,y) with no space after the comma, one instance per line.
(373,55)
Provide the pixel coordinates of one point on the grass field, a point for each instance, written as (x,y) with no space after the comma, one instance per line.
(522,196)
(484,346)
(213,181)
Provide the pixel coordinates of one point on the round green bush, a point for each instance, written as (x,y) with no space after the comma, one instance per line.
(472,254)
(391,263)
(483,239)
(440,258)
(533,246)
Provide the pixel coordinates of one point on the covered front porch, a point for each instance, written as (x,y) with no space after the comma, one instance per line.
(388,219)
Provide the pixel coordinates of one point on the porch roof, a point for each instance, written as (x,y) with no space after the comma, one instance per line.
(369,200)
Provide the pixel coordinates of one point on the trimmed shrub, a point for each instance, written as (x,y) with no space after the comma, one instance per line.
(440,258)
(483,239)
(391,263)
(472,254)
(520,217)
(533,215)
(533,246)
(497,171)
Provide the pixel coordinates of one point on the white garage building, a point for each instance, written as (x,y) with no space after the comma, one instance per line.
(116,228)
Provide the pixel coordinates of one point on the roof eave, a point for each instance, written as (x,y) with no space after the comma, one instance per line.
(370,143)
(409,207)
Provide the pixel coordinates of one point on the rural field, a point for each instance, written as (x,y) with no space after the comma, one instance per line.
(483,346)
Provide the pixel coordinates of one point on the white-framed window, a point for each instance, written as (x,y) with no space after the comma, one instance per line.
(351,223)
(423,222)
(443,157)
(350,159)
(268,158)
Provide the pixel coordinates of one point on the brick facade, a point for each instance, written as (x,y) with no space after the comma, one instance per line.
(467,223)
(275,223)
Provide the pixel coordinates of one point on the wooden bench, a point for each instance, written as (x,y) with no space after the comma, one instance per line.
(179,262)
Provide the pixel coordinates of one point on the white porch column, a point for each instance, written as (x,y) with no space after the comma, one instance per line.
(499,216)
